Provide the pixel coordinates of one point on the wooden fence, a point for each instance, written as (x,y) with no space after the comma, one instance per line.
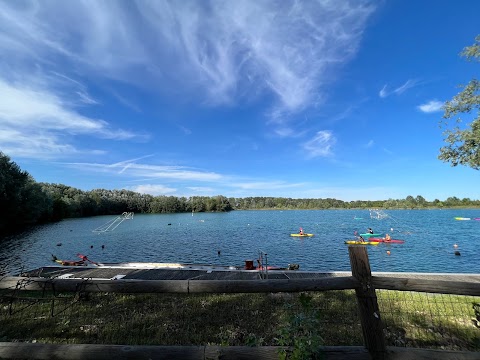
(361,281)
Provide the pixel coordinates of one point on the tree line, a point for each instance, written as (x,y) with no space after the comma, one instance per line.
(25,202)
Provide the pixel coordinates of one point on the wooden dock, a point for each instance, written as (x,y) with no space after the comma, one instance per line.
(213,273)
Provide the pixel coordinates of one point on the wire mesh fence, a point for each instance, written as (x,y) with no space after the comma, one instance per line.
(411,319)
(180,319)
(426,320)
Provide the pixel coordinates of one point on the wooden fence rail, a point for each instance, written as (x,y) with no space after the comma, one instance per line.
(241,286)
(181,286)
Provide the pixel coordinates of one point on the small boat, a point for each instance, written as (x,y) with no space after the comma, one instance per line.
(375,239)
(358,242)
(84,261)
(302,235)
(369,235)
(461,218)
(249,265)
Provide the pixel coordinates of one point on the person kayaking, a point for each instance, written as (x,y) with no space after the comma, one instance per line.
(370,231)
(301,232)
(387,237)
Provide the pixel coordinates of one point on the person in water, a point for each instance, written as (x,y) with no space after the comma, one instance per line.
(387,237)
(370,231)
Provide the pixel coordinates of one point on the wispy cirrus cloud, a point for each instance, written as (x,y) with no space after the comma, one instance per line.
(265,185)
(321,144)
(132,170)
(431,106)
(287,54)
(410,83)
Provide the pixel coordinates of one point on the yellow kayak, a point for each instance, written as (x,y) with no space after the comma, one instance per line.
(302,235)
(358,242)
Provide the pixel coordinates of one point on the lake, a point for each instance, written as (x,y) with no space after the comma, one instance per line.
(430,236)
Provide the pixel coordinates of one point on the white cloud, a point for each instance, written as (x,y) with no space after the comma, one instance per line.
(369,144)
(383,93)
(185,130)
(128,103)
(321,144)
(431,106)
(228,51)
(36,122)
(265,185)
(153,189)
(284,132)
(131,169)
(410,83)
(202,189)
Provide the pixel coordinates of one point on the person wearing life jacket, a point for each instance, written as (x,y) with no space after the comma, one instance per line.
(301,232)
(387,237)
(370,231)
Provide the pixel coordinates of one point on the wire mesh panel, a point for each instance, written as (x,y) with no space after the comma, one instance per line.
(181,319)
(426,320)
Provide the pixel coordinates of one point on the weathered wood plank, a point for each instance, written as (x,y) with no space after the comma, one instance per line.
(424,285)
(272,352)
(37,351)
(264,286)
(98,352)
(93,285)
(121,352)
(372,326)
(185,286)
(180,286)
(398,353)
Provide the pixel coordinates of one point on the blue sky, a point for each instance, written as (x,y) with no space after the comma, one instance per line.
(301,99)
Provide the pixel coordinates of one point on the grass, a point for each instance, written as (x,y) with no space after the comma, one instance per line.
(411,319)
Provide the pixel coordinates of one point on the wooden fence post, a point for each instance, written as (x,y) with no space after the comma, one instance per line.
(372,326)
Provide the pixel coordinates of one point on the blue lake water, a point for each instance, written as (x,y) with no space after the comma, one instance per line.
(430,236)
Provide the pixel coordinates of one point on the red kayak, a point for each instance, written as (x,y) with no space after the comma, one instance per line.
(386,241)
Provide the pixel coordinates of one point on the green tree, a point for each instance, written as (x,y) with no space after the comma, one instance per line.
(463,142)
(22,200)
(410,202)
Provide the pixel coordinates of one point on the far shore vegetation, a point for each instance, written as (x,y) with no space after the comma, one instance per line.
(26,202)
